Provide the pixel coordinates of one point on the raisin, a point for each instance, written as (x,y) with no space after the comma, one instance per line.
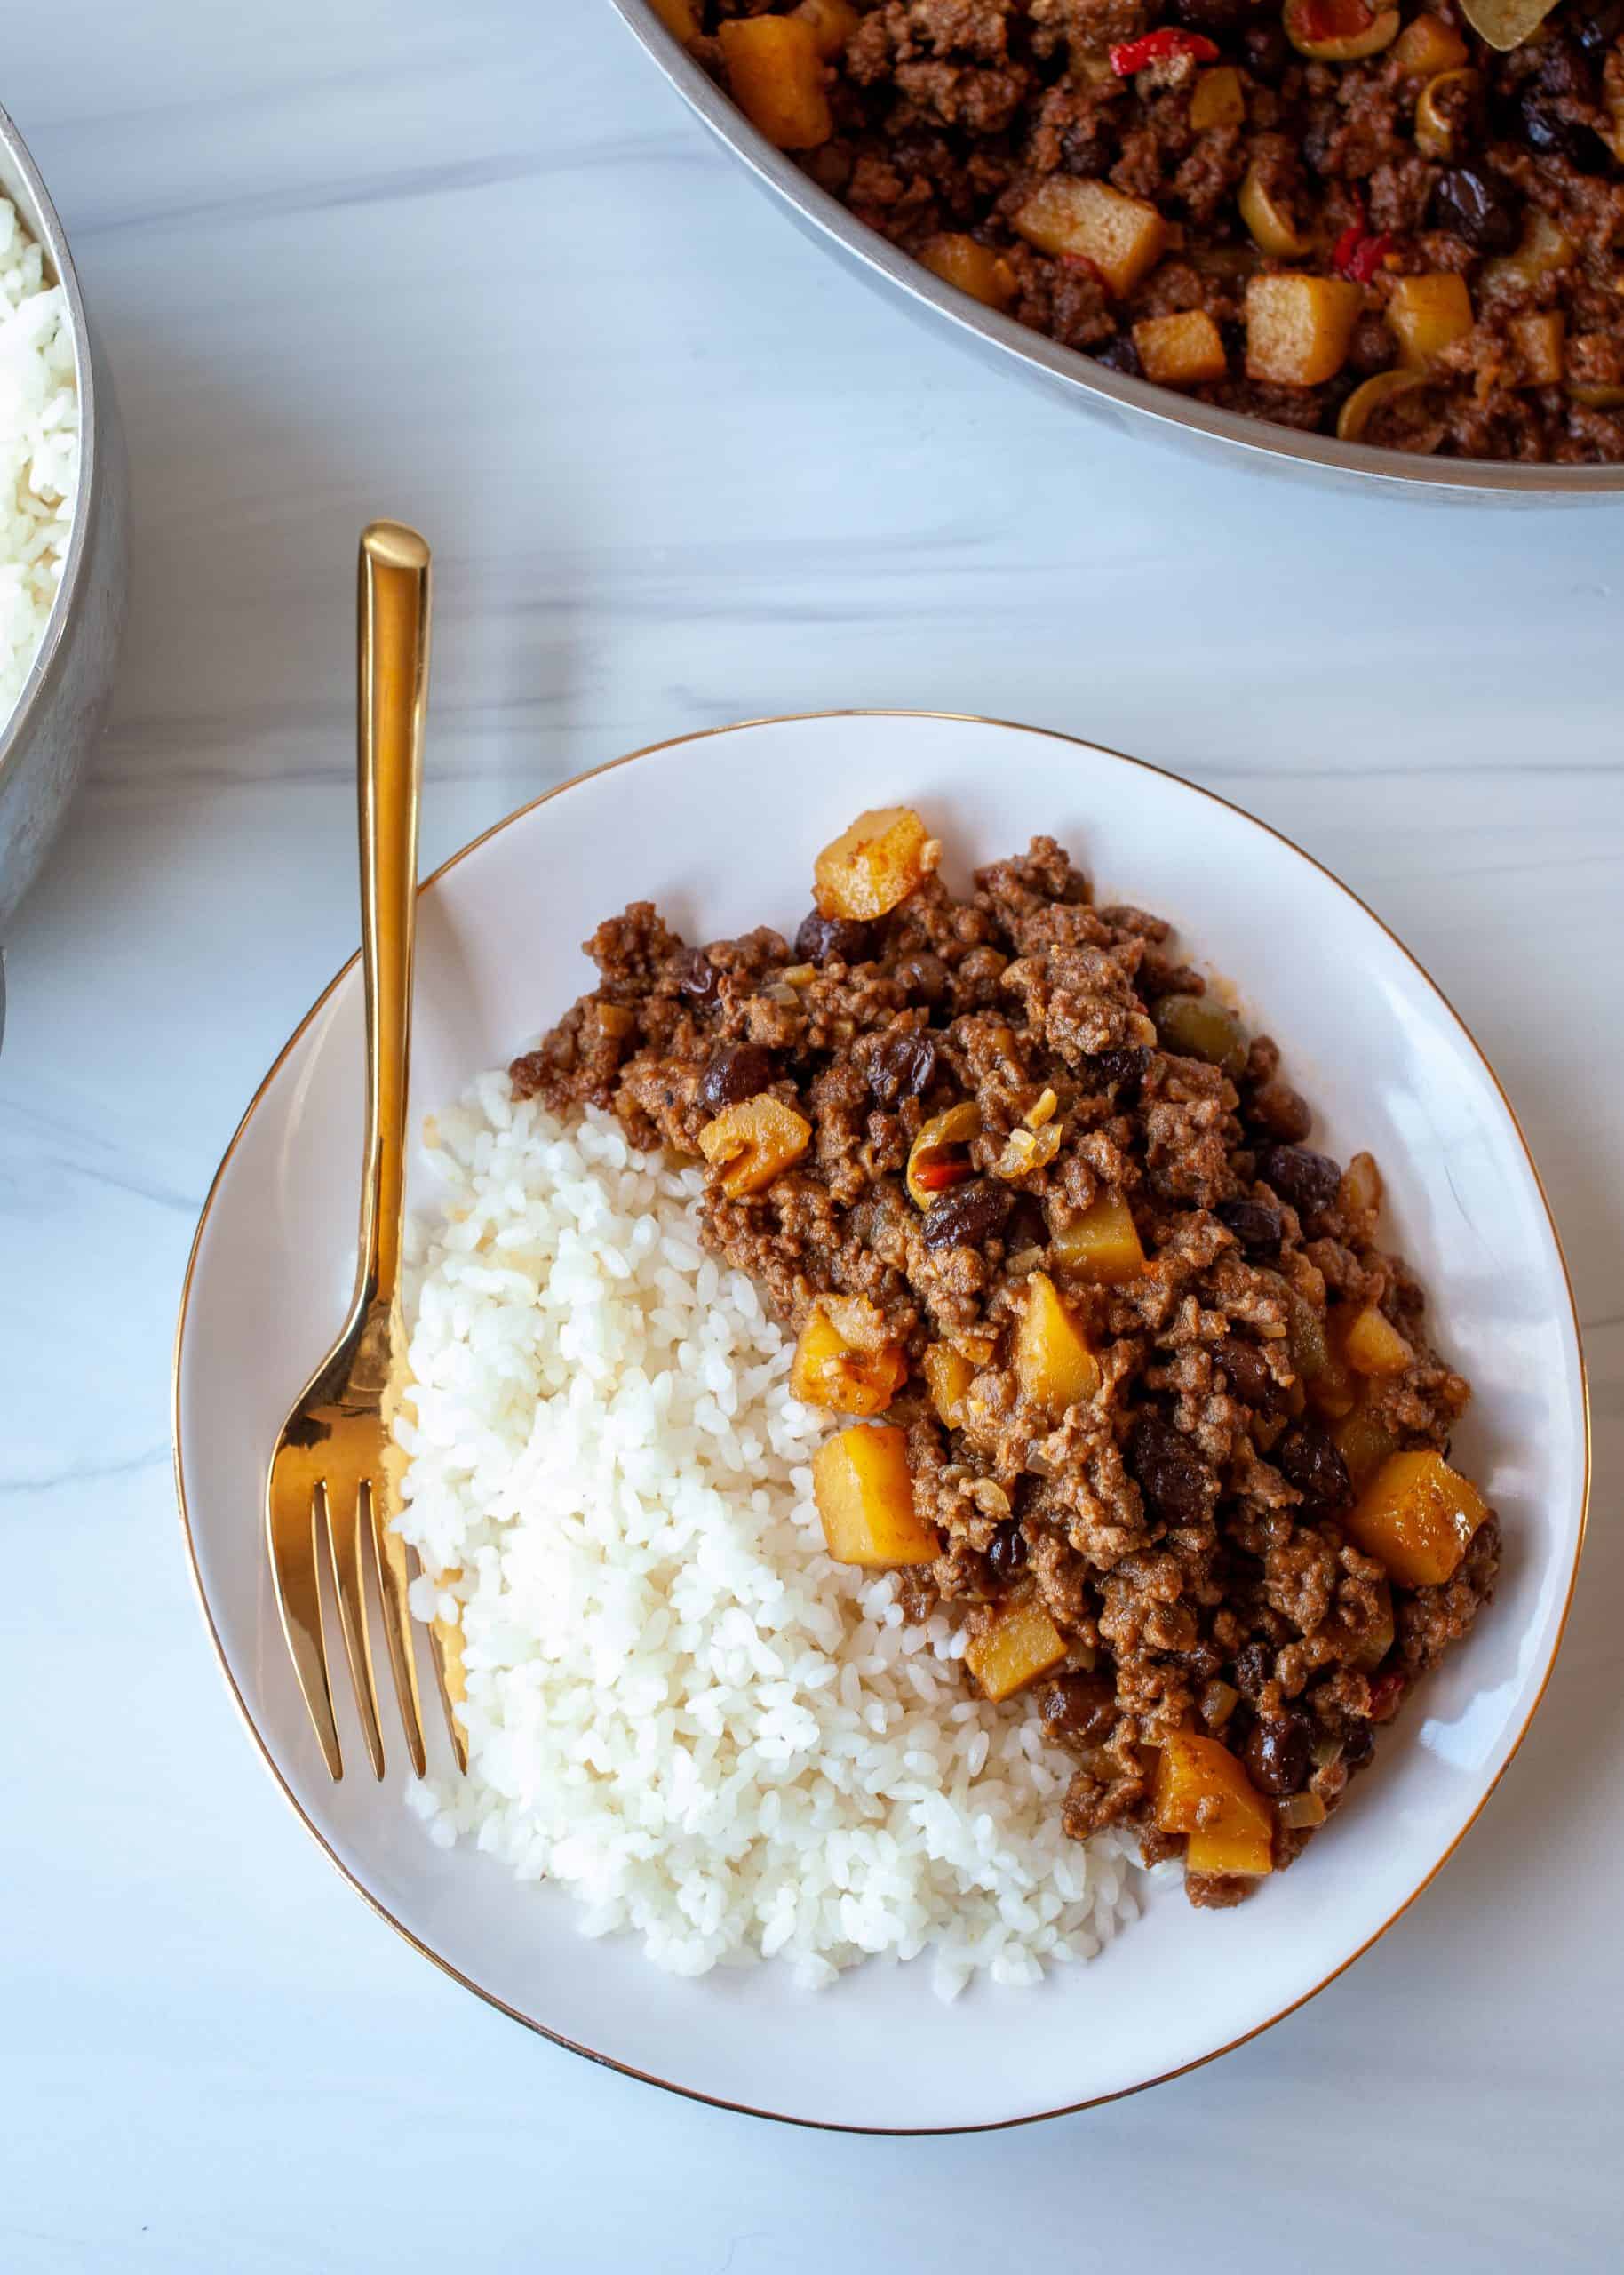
(1548,129)
(1280,1754)
(968,1217)
(736,1072)
(1121,1070)
(1175,1480)
(1256,1225)
(1306,1457)
(1249,1376)
(832,939)
(1281,1111)
(1253,1669)
(1307,1179)
(1481,210)
(1357,1746)
(698,976)
(1007,1554)
(1078,1709)
(902,1066)
(1120,355)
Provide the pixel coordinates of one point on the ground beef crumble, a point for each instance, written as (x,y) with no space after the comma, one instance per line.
(1183,1527)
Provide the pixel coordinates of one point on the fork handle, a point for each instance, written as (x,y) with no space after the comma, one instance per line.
(392,633)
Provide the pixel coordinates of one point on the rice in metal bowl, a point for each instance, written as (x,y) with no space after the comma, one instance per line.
(39,449)
(678,1707)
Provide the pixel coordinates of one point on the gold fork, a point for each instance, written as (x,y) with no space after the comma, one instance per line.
(333,1470)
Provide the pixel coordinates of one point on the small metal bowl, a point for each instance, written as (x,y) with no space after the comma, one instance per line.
(45,744)
(1134,405)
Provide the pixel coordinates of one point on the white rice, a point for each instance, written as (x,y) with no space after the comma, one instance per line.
(678,1708)
(39,449)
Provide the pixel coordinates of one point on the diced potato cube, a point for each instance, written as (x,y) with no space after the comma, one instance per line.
(1538,340)
(975,268)
(1219,100)
(864,1496)
(1426,313)
(1053,1362)
(1020,1643)
(751,1143)
(1427,46)
(1299,328)
(776,76)
(1102,1244)
(1180,351)
(1123,236)
(1364,1444)
(679,17)
(1417,1516)
(1202,1791)
(1372,1344)
(843,1361)
(833,23)
(880,859)
(948,1375)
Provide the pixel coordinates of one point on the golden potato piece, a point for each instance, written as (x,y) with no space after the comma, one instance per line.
(975,268)
(833,23)
(679,17)
(1202,1791)
(1124,237)
(1053,1362)
(1417,1516)
(879,861)
(864,1496)
(1426,313)
(1372,1344)
(775,73)
(843,1361)
(1219,100)
(751,1143)
(1020,1643)
(1299,328)
(948,1375)
(1102,1244)
(1539,339)
(1180,351)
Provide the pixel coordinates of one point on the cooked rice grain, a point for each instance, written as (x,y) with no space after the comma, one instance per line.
(678,1707)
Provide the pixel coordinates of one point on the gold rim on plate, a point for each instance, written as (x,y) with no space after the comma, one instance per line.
(607,2060)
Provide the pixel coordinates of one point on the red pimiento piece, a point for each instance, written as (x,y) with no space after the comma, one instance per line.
(1156,47)
(1385,1693)
(1358,256)
(936,1176)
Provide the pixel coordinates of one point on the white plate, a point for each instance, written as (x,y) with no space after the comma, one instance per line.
(721,830)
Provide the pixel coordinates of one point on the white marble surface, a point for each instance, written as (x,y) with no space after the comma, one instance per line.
(357,258)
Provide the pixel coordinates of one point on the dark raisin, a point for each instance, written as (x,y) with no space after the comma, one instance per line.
(1307,1179)
(1548,129)
(832,939)
(1481,210)
(1078,1709)
(1121,1070)
(1256,1225)
(1306,1457)
(902,1066)
(698,976)
(1253,1668)
(1268,53)
(1357,1746)
(1249,1376)
(1281,1111)
(1008,1553)
(924,977)
(1600,26)
(1280,1754)
(1120,355)
(968,1217)
(1176,1483)
(736,1072)
(1565,70)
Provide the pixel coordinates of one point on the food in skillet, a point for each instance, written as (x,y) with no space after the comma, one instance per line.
(1336,214)
(1119,1376)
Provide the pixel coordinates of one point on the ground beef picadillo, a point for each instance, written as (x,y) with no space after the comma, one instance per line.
(1184,1526)
(1435,157)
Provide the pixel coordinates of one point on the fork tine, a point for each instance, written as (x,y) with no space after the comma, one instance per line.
(344,1535)
(450,1680)
(291,1530)
(392,1580)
